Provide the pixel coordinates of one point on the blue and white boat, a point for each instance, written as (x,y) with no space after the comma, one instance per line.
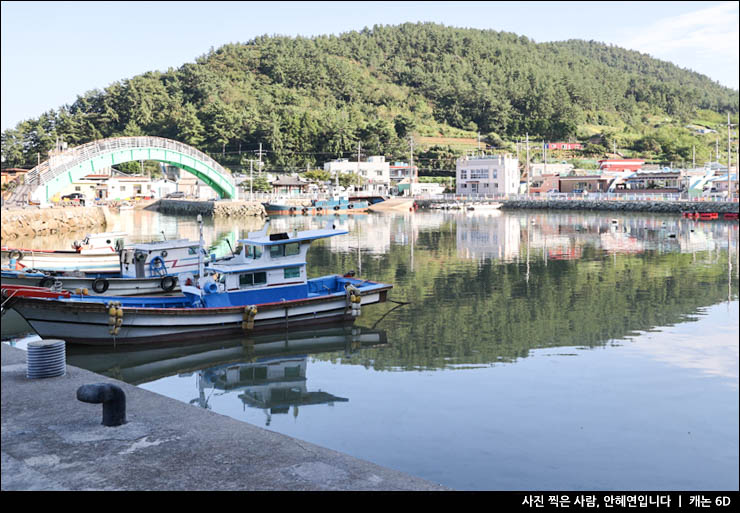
(97,252)
(144,269)
(267,293)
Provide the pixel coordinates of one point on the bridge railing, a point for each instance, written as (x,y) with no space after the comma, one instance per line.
(58,164)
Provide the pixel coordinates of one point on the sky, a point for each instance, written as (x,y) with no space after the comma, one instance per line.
(54,51)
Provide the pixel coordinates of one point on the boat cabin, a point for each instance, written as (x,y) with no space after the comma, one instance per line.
(107,242)
(269,260)
(162,258)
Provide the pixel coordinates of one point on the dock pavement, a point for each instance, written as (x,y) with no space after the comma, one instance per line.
(53,441)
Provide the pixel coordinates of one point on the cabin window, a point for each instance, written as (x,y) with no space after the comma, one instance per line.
(282,250)
(260,278)
(292,372)
(292,272)
(192,251)
(254,252)
(293,248)
(246,279)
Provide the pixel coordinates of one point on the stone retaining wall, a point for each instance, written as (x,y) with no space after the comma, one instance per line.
(210,208)
(33,221)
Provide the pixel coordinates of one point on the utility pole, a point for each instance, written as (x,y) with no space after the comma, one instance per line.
(729,158)
(527,165)
(251,181)
(693,157)
(260,153)
(411,142)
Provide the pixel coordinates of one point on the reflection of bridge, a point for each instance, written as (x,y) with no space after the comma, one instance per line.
(51,176)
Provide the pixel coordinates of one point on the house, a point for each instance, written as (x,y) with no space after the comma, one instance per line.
(592,183)
(375,172)
(563,146)
(399,171)
(620,165)
(13,173)
(487,174)
(550,168)
(289,186)
(544,183)
(407,187)
(665,181)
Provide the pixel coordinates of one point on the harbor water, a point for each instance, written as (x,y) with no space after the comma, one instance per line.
(524,350)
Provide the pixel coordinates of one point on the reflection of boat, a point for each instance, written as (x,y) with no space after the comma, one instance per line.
(96,252)
(137,365)
(268,293)
(484,207)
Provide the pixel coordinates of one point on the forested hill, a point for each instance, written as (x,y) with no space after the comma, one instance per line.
(312,99)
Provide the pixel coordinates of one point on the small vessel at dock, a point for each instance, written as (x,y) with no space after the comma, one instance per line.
(269,293)
(339,203)
(97,252)
(144,269)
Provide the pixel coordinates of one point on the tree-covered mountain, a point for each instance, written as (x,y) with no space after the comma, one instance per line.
(308,100)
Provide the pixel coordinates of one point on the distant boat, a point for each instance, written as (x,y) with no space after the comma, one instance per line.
(124,207)
(338,204)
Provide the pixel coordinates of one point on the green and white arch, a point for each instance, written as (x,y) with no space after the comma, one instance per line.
(62,170)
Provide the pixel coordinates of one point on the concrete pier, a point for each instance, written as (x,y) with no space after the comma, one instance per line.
(53,441)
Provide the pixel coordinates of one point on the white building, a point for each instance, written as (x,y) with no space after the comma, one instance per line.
(489,174)
(375,172)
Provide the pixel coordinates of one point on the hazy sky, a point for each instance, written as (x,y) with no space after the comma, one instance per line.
(54,51)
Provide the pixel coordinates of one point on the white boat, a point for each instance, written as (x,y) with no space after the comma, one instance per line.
(272,294)
(97,252)
(484,206)
(145,269)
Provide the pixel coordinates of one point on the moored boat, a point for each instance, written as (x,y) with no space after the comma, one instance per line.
(97,252)
(270,294)
(144,269)
(336,205)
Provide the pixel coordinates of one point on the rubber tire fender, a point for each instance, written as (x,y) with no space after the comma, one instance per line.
(167,283)
(100,285)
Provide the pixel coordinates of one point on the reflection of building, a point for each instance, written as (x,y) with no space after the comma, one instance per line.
(480,237)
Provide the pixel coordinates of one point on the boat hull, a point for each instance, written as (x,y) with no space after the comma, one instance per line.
(63,260)
(356,207)
(89,322)
(101,286)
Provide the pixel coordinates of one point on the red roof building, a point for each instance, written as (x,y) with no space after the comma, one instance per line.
(618,165)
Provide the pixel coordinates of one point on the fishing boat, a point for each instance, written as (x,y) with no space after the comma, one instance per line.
(97,252)
(144,269)
(338,204)
(273,294)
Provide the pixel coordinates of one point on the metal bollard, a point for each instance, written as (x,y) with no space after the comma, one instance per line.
(112,397)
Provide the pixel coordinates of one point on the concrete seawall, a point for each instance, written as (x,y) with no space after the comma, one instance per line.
(52,441)
(32,221)
(210,208)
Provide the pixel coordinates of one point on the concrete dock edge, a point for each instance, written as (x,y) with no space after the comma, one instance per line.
(52,441)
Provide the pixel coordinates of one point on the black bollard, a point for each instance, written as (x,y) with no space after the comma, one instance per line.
(112,397)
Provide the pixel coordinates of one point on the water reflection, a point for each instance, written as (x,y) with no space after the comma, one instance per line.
(268,372)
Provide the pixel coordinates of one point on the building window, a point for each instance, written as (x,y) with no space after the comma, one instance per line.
(464,174)
(77,188)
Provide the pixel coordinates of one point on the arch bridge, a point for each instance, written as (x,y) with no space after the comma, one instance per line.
(61,170)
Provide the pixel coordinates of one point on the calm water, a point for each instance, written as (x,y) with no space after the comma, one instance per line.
(519,351)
